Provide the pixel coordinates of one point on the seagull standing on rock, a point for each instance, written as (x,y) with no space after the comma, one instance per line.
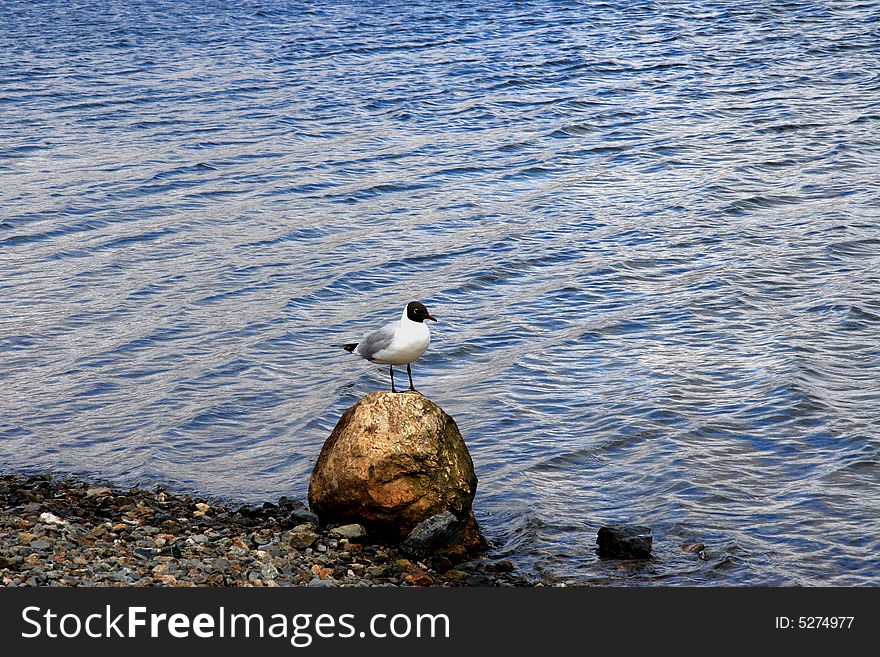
(397,343)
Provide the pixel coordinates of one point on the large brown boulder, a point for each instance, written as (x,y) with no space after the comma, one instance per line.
(392,461)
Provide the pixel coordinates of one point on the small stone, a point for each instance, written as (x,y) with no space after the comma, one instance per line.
(377,571)
(348,531)
(26,537)
(99,491)
(455,575)
(286,503)
(201,506)
(698,548)
(321,571)
(503,566)
(693,547)
(304,515)
(40,544)
(437,531)
(453,553)
(480,579)
(420,578)
(52,519)
(145,552)
(301,539)
(277,549)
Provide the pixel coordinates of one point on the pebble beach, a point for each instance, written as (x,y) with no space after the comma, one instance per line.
(61,531)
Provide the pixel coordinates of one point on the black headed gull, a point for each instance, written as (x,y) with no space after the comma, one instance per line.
(397,343)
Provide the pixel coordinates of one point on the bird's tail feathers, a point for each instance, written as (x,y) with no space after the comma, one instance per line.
(350,346)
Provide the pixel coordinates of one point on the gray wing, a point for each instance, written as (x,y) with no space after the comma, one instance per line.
(372,343)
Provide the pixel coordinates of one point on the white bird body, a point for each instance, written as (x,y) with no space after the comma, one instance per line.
(409,340)
(397,343)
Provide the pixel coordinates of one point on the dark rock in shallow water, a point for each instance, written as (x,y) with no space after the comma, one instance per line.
(625,542)
(438,531)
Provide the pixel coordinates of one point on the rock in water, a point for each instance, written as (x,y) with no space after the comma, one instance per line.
(436,532)
(392,461)
(625,542)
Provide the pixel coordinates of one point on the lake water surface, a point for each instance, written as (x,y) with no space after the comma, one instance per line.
(650,232)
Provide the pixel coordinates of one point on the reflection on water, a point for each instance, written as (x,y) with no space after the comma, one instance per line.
(650,233)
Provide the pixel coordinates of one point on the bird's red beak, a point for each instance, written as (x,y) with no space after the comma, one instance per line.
(431,317)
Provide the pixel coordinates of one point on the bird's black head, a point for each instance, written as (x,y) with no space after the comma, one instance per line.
(416,312)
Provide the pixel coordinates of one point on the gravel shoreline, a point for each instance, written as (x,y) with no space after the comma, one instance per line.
(67,532)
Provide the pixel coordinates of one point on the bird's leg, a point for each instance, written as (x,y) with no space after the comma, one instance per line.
(409,371)
(391,369)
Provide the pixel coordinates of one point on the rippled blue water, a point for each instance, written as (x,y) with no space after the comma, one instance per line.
(650,231)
